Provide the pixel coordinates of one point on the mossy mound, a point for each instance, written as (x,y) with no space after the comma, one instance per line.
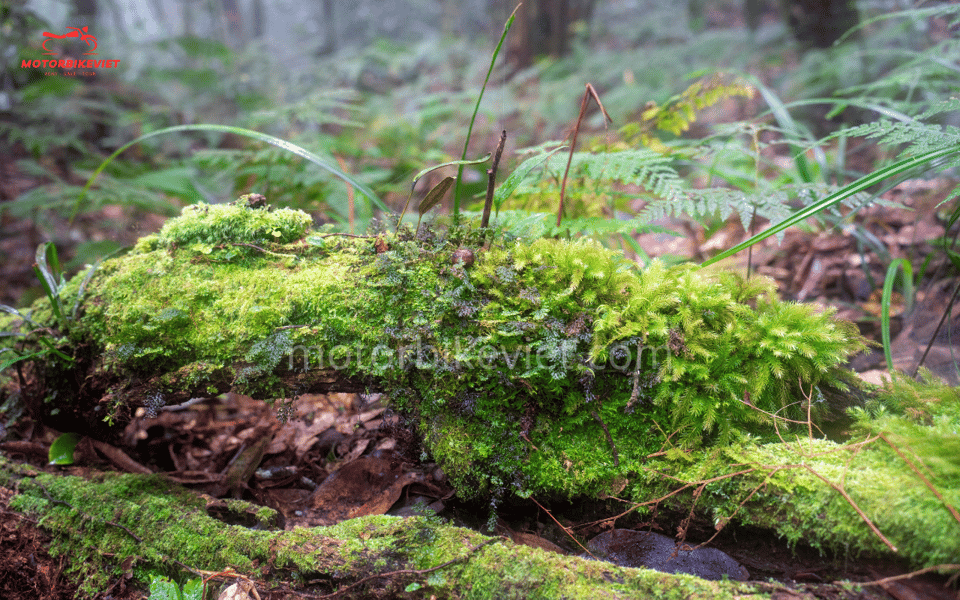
(541,367)
(538,366)
(127,527)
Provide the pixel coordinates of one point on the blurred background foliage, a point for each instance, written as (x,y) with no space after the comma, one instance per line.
(727,108)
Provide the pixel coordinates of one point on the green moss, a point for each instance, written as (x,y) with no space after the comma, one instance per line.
(546,367)
(542,344)
(174,530)
(204,225)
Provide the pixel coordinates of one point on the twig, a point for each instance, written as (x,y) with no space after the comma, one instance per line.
(416,572)
(774,416)
(943,318)
(613,447)
(907,575)
(930,486)
(852,503)
(255,247)
(635,393)
(492,181)
(565,529)
(351,235)
(350,204)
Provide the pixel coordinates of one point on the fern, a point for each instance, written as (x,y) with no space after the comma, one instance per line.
(916,136)
(679,112)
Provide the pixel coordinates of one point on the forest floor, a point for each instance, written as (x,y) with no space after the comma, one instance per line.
(198,445)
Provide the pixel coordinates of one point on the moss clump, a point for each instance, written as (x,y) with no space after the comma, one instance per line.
(234,223)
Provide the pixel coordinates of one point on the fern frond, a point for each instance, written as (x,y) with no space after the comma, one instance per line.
(917,137)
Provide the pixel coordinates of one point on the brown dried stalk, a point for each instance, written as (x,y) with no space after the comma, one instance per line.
(590,92)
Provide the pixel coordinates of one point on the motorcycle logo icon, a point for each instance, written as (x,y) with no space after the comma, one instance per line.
(77,32)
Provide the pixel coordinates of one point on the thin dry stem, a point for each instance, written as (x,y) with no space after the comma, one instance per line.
(909,575)
(350,214)
(590,92)
(930,486)
(565,529)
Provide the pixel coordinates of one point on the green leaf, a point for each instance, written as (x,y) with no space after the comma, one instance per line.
(885,302)
(61,450)
(193,589)
(45,257)
(860,185)
(519,174)
(476,109)
(447,164)
(17,358)
(176,181)
(164,588)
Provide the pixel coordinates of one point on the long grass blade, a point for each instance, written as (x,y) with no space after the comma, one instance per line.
(476,109)
(321,162)
(885,302)
(856,187)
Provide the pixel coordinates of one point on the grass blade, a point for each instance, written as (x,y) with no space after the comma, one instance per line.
(321,162)
(476,109)
(856,187)
(885,302)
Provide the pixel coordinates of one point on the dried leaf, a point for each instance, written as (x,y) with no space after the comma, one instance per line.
(435,195)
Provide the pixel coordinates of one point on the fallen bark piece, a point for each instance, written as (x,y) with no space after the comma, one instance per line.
(629,548)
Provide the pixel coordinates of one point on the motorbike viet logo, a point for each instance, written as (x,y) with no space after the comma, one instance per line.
(83,35)
(80,32)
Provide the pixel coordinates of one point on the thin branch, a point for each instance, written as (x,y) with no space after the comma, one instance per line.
(492,181)
(613,447)
(893,578)
(255,247)
(852,503)
(930,486)
(565,529)
(351,235)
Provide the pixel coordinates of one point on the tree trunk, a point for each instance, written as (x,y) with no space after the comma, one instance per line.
(234,23)
(820,23)
(542,28)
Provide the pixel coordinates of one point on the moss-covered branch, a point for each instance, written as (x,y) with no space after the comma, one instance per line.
(562,347)
(112,525)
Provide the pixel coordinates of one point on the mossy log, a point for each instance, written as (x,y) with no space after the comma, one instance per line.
(545,368)
(112,525)
(528,366)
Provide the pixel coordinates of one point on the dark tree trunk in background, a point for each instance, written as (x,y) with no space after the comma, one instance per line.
(542,28)
(259,19)
(84,14)
(820,23)
(231,12)
(328,25)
